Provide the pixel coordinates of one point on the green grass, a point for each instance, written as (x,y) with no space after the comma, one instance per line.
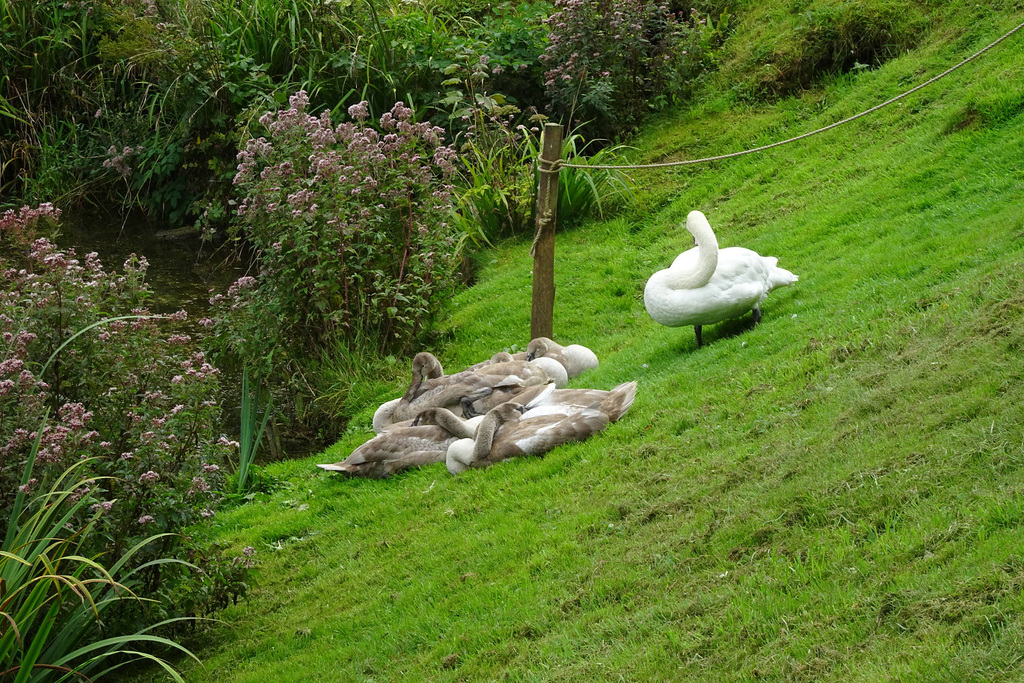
(834,495)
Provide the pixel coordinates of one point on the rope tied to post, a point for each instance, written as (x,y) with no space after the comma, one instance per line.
(549,166)
(537,232)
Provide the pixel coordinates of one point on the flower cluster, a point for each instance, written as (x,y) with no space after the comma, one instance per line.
(350,223)
(18,229)
(118,160)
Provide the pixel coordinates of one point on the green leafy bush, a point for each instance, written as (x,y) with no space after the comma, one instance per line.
(786,50)
(351,233)
(142,104)
(496,58)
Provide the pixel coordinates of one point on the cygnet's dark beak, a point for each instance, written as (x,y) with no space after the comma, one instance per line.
(530,356)
(521,408)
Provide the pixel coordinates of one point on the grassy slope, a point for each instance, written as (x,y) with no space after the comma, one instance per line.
(833,495)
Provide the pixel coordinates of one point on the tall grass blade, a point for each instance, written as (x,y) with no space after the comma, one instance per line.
(251,435)
(85,329)
(19,500)
(31,656)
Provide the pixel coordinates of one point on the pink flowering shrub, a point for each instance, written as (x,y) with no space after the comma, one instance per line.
(611,61)
(18,229)
(130,396)
(351,231)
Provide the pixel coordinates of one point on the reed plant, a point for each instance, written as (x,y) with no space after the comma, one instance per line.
(298,42)
(252,427)
(500,177)
(54,595)
(496,194)
(588,192)
(49,77)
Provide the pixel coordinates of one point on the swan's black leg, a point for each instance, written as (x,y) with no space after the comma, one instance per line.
(757,314)
(696,329)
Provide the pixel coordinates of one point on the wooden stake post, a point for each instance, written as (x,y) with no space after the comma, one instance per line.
(543,251)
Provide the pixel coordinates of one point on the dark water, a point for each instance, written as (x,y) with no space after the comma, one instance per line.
(181,272)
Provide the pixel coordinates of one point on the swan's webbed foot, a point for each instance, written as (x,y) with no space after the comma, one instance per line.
(696,329)
(757,314)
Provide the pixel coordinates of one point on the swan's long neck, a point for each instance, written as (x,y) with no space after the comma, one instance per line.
(485,432)
(485,435)
(707,255)
(452,423)
(424,366)
(414,387)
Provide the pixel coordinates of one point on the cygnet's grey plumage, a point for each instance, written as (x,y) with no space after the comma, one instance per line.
(489,401)
(464,427)
(425,366)
(419,442)
(504,434)
(555,370)
(502,379)
(499,357)
(456,391)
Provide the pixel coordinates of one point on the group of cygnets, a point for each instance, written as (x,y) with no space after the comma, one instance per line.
(501,408)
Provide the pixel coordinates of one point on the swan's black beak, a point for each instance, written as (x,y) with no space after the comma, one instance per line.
(530,356)
(520,408)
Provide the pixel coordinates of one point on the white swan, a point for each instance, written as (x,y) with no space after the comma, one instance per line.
(706,285)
